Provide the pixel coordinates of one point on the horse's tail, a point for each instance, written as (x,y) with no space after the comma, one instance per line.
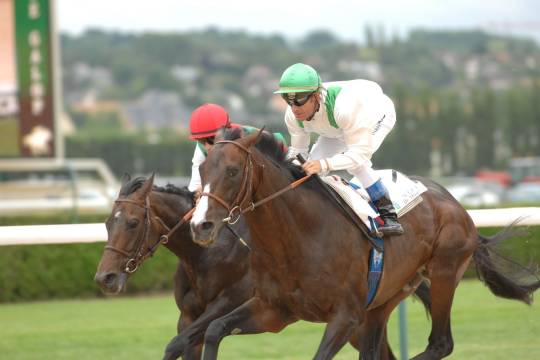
(422,293)
(504,277)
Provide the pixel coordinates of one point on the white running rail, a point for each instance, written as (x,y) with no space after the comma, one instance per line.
(89,233)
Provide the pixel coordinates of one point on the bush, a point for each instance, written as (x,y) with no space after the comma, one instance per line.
(35,272)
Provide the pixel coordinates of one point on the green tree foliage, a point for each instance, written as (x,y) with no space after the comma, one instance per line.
(134,154)
(457,92)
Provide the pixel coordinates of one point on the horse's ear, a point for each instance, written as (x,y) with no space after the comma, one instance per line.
(147,186)
(123,182)
(254,137)
(125,178)
(220,134)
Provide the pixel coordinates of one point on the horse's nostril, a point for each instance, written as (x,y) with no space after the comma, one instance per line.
(109,279)
(207,225)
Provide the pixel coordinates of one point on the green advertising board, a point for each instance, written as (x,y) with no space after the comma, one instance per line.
(27,86)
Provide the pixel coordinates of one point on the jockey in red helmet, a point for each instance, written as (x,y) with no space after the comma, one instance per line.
(204,123)
(206,120)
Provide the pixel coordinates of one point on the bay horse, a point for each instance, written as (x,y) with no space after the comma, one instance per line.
(309,261)
(208,283)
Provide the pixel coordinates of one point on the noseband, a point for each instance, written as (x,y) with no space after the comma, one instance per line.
(136,258)
(246,188)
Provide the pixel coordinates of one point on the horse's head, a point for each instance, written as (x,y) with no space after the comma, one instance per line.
(228,177)
(131,235)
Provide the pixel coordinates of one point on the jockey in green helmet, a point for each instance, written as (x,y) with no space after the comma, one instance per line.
(352,118)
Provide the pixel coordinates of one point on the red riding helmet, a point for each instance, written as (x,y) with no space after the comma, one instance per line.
(206,120)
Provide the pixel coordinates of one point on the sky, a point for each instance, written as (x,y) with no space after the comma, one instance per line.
(296,18)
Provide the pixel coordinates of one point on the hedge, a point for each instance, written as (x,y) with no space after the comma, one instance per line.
(36,272)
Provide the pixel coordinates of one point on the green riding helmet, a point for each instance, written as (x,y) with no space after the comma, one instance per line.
(299,78)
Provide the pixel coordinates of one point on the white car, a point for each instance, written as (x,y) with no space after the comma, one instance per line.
(474,193)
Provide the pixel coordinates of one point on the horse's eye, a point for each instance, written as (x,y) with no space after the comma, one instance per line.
(231,172)
(132,223)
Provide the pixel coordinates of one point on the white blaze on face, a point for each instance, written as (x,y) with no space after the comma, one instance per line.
(202,207)
(117,214)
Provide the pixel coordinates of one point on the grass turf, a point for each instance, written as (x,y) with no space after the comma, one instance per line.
(484,327)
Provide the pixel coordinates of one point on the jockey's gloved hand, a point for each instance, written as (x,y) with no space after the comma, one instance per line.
(312,167)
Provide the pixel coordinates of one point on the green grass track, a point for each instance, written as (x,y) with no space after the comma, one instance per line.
(484,327)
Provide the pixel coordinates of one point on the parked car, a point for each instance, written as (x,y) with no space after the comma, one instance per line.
(526,192)
(525,169)
(472,192)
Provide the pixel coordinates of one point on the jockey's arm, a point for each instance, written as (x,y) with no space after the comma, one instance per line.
(359,150)
(198,158)
(300,138)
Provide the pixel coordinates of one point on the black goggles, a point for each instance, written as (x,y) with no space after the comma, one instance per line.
(207,140)
(298,99)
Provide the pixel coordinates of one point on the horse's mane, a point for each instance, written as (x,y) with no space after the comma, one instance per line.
(133,185)
(173,189)
(270,148)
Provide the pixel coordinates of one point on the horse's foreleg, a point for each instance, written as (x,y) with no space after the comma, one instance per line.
(337,333)
(374,343)
(193,352)
(192,335)
(385,349)
(253,317)
(370,337)
(183,322)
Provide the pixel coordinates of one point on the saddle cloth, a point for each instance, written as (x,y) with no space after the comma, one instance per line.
(404,193)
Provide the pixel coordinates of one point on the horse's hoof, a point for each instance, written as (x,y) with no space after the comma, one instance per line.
(168,356)
(174,349)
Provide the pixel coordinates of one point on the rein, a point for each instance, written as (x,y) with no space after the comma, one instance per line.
(245,189)
(136,258)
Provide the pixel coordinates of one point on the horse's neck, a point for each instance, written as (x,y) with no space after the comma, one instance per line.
(180,243)
(297,206)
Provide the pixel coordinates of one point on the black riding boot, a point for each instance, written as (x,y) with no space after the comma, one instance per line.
(388,214)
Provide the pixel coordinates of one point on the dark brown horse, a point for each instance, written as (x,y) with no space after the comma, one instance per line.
(208,283)
(310,262)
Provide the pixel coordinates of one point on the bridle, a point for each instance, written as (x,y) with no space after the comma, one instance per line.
(137,257)
(245,190)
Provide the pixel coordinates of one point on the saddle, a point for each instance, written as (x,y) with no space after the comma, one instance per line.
(404,193)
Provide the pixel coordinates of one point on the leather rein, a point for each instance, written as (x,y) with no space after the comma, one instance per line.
(136,258)
(246,189)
